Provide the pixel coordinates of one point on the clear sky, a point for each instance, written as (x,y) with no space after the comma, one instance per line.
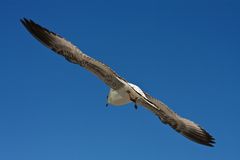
(185,53)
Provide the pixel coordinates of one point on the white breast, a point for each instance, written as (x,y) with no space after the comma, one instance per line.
(121,97)
(118,97)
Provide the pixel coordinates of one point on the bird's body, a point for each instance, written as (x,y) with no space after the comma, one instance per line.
(118,97)
(121,92)
(122,96)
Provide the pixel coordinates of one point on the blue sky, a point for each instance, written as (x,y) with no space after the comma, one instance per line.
(183,52)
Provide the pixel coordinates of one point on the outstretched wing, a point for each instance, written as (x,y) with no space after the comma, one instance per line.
(184,126)
(63,47)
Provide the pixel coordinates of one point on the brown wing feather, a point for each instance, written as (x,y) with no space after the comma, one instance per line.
(184,126)
(63,47)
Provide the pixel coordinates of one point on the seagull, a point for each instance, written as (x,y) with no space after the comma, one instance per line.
(121,91)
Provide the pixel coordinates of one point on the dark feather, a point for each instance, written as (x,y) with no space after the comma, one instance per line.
(63,47)
(184,126)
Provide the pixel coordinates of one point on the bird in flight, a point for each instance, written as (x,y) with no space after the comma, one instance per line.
(121,91)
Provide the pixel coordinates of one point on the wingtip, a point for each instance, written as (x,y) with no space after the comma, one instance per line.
(25,21)
(211,141)
(22,20)
(210,144)
(197,134)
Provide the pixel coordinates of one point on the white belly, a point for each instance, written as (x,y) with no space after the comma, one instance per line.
(121,97)
(118,97)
